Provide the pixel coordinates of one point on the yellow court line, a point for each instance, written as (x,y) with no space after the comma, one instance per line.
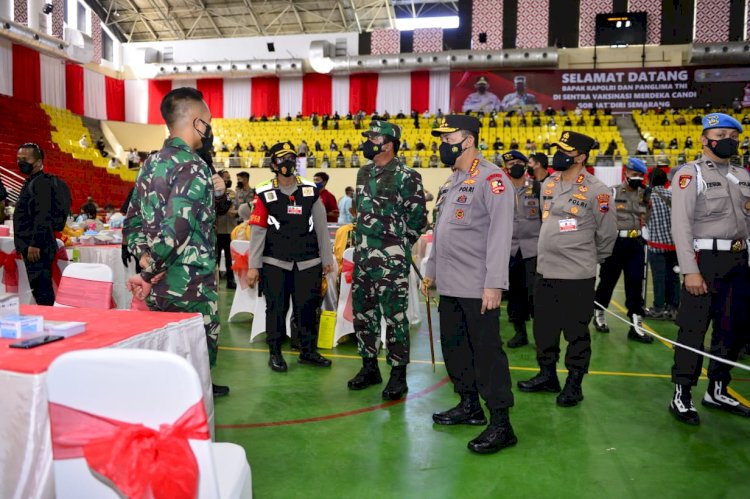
(731,391)
(512,368)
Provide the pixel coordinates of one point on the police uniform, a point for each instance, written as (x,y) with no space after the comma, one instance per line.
(391,215)
(471,250)
(290,244)
(627,257)
(578,231)
(710,210)
(527,220)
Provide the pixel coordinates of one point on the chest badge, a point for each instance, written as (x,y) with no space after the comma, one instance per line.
(459,214)
(294,209)
(307,192)
(270,196)
(461,199)
(583,188)
(574,210)
(579,196)
(470,181)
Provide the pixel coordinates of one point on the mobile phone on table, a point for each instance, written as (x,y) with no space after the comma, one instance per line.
(35,342)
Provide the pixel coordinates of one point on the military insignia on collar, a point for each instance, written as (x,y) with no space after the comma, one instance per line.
(579,196)
(685,181)
(580,178)
(474,170)
(583,188)
(270,196)
(549,184)
(548,192)
(307,192)
(545,214)
(459,214)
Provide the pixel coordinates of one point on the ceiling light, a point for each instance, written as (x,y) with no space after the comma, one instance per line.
(411,23)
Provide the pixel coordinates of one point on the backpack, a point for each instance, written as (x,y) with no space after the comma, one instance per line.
(61,202)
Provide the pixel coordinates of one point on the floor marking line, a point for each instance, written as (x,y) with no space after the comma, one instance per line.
(730,390)
(337,415)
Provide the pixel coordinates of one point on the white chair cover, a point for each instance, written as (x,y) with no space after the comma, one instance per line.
(243,303)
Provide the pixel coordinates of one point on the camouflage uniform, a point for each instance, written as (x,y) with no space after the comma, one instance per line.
(171,218)
(391,215)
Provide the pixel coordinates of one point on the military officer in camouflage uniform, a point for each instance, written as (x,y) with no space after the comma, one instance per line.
(628,254)
(469,264)
(391,215)
(170,221)
(710,214)
(578,231)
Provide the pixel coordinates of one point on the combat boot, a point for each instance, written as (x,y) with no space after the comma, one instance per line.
(681,406)
(498,434)
(545,381)
(572,393)
(367,376)
(600,321)
(521,338)
(468,411)
(396,387)
(717,397)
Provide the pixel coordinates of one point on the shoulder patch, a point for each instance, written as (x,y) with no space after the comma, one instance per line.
(496,183)
(307,191)
(685,181)
(270,196)
(603,200)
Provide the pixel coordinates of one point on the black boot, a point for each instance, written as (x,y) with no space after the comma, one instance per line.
(498,435)
(276,361)
(545,381)
(681,406)
(367,376)
(220,390)
(717,397)
(572,393)
(468,411)
(314,359)
(396,387)
(521,338)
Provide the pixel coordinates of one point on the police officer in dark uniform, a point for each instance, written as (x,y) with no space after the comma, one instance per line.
(469,264)
(527,220)
(32,223)
(710,210)
(578,231)
(290,245)
(628,254)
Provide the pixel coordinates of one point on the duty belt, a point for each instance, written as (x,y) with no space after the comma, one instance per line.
(630,234)
(734,246)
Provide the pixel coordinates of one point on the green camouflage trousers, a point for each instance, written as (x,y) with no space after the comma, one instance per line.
(208,309)
(380,288)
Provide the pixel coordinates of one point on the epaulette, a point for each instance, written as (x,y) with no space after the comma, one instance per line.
(304,181)
(264,186)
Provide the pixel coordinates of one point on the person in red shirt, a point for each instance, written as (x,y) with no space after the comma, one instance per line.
(329,200)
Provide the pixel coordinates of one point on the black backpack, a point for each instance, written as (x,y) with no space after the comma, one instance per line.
(61,202)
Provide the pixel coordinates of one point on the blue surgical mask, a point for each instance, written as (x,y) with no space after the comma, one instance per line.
(319,185)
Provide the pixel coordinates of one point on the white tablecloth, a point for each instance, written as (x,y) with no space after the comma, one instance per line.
(110,256)
(25,442)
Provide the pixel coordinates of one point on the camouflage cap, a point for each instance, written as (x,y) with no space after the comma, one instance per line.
(379,127)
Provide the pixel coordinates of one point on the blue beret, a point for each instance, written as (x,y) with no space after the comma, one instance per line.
(637,165)
(514,154)
(720,120)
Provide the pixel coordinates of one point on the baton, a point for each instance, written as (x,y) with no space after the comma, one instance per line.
(429,314)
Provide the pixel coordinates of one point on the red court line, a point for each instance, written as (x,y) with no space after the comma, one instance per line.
(353,412)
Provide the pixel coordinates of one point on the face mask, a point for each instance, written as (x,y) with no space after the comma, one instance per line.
(530,171)
(516,170)
(370,150)
(319,185)
(561,161)
(287,168)
(723,148)
(635,182)
(449,153)
(482,90)
(240,185)
(207,139)
(228,183)
(25,167)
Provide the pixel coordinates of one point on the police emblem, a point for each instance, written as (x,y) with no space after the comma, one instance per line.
(459,214)
(470,181)
(583,188)
(496,183)
(461,199)
(270,196)
(307,191)
(579,196)
(712,119)
(603,200)
(580,178)
(532,211)
(685,180)
(574,210)
(620,206)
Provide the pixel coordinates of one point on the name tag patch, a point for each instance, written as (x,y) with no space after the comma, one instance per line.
(270,196)
(307,192)
(568,225)
(294,210)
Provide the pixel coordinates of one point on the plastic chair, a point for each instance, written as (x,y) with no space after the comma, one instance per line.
(243,303)
(86,285)
(133,387)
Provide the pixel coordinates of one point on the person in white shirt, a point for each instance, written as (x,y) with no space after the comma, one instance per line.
(345,207)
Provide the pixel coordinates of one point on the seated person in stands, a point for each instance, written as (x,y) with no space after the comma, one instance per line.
(506,121)
(349,116)
(568,121)
(611,148)
(497,158)
(318,147)
(340,160)
(746,120)
(612,121)
(680,120)
(333,147)
(354,162)
(596,145)
(263,147)
(325,163)
(299,116)
(434,123)
(665,121)
(434,147)
(264,118)
(688,143)
(336,124)
(400,115)
(242,231)
(549,111)
(551,122)
(483,145)
(522,121)
(252,118)
(288,117)
(697,120)
(100,145)
(673,143)
(336,116)
(386,116)
(416,161)
(84,142)
(493,123)
(347,146)
(113,163)
(420,145)
(404,145)
(581,121)
(745,143)
(434,161)
(236,151)
(530,146)
(498,144)
(224,147)
(536,121)
(514,144)
(597,121)
(250,147)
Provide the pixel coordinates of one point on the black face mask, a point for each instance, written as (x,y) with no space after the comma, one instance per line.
(228,183)
(561,161)
(530,171)
(517,170)
(25,167)
(723,148)
(207,139)
(370,150)
(635,182)
(240,185)
(449,153)
(287,168)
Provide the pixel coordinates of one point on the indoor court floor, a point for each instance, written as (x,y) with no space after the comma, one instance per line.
(307,435)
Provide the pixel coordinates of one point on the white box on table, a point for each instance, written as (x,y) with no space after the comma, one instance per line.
(66,329)
(21,326)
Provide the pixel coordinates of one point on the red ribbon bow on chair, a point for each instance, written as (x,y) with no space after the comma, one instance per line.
(134,457)
(240,265)
(10,276)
